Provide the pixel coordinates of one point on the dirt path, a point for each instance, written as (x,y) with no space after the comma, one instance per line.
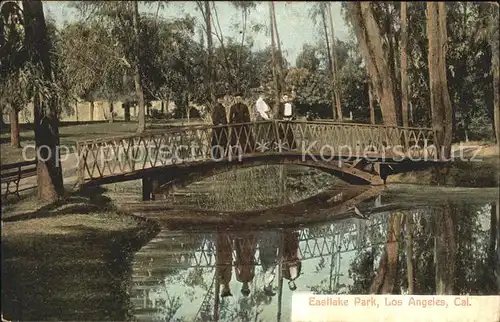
(69,163)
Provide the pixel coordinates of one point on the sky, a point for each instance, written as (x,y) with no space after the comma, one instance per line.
(295,26)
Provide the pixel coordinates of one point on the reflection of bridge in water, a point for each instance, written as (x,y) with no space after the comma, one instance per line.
(333,203)
(171,253)
(200,250)
(180,273)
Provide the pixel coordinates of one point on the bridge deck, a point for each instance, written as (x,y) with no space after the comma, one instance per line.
(131,154)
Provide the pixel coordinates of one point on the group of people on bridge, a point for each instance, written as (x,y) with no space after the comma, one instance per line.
(239,113)
(245,248)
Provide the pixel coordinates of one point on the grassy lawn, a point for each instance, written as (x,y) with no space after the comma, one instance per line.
(69,260)
(69,134)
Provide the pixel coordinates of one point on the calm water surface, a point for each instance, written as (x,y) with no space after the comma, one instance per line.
(252,275)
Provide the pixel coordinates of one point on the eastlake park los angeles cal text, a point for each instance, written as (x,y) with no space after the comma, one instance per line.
(372,301)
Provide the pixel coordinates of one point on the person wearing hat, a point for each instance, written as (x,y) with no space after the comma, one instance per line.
(288,129)
(291,267)
(220,133)
(244,265)
(224,261)
(241,137)
(287,108)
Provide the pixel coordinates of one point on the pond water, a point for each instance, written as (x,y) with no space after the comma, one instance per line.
(180,275)
(251,275)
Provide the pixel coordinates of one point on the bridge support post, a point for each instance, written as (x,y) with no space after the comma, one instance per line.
(149,186)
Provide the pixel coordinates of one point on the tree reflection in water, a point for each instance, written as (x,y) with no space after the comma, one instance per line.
(454,250)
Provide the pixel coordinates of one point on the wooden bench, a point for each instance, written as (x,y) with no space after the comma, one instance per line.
(11,175)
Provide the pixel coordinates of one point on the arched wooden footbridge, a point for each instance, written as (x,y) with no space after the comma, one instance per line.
(356,153)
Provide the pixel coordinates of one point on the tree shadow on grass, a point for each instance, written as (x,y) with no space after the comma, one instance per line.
(83,274)
(81,202)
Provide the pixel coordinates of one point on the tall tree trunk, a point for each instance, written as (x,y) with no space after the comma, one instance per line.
(188,107)
(210,49)
(495,65)
(445,251)
(276,105)
(404,64)
(375,54)
(494,247)
(329,54)
(410,106)
(76,111)
(281,67)
(91,110)
(370,98)
(15,140)
(385,278)
(409,251)
(442,113)
(49,174)
(335,83)
(139,92)
(111,111)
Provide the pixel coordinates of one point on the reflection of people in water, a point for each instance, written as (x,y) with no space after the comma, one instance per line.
(292,265)
(268,254)
(224,260)
(245,250)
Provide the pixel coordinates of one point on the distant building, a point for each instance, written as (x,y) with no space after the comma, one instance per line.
(101,111)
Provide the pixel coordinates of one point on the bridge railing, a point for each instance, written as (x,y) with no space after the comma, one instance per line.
(361,139)
(201,250)
(122,155)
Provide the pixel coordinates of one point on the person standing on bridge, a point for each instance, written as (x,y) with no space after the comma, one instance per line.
(292,266)
(288,115)
(245,269)
(224,262)
(219,134)
(261,110)
(241,136)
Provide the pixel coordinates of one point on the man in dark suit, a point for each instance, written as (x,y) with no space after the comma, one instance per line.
(224,260)
(241,137)
(245,265)
(220,134)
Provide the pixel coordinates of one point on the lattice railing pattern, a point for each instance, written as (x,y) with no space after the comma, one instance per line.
(200,249)
(106,157)
(357,139)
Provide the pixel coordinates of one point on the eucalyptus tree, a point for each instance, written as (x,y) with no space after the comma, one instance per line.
(123,20)
(242,54)
(488,29)
(89,62)
(324,11)
(441,108)
(12,95)
(377,51)
(404,63)
(27,57)
(173,61)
